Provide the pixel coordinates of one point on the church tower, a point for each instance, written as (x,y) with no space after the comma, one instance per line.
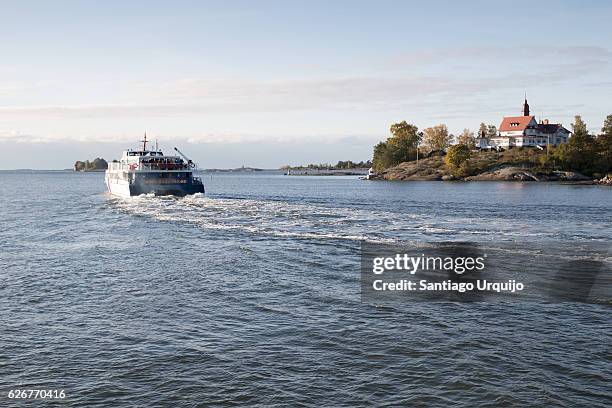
(525,107)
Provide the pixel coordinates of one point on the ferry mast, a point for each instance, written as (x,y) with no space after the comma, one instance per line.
(144,143)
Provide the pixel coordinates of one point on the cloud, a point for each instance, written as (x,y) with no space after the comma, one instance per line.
(203,97)
(490,71)
(552,55)
(199,138)
(20,137)
(504,68)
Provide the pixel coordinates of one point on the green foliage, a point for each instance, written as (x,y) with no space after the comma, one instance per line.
(583,152)
(467,138)
(578,153)
(457,156)
(482,129)
(404,129)
(579,128)
(465,169)
(603,151)
(436,138)
(341,165)
(352,165)
(96,164)
(491,131)
(398,148)
(488,130)
(607,126)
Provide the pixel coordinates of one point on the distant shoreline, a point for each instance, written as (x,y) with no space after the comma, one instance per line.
(327,172)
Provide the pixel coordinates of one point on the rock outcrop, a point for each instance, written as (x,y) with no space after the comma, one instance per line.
(431,168)
(513,173)
(434,168)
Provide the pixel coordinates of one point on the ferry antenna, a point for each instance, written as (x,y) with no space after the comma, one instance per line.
(144,142)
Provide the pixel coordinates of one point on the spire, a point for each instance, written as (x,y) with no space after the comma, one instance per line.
(525,106)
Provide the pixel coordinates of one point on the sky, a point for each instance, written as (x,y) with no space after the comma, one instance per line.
(270,83)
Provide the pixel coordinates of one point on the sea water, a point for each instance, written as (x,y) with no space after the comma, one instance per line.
(250,294)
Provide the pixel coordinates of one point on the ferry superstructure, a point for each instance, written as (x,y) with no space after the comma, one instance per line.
(147,171)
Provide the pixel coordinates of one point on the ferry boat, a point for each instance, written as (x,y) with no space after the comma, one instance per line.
(150,171)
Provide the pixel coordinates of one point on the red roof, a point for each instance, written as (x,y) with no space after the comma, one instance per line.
(511,123)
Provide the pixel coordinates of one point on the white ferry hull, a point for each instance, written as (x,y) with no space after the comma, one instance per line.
(124,188)
(151,172)
(117,187)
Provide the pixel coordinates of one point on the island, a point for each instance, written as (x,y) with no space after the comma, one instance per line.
(511,165)
(242,169)
(521,149)
(97,164)
(342,168)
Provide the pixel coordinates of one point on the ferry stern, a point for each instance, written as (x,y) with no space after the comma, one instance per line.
(147,171)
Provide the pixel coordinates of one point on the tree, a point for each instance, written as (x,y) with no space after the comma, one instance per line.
(436,138)
(482,130)
(607,126)
(403,129)
(580,152)
(585,153)
(488,131)
(580,140)
(97,164)
(456,156)
(404,142)
(345,164)
(467,138)
(603,147)
(491,131)
(383,157)
(579,128)
(398,148)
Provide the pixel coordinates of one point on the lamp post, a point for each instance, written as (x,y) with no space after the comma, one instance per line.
(419,136)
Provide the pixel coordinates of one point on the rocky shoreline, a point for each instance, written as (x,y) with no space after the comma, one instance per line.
(434,169)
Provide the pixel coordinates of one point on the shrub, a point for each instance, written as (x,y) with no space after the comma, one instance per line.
(456,156)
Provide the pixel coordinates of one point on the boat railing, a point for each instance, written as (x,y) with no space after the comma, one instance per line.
(163,166)
(147,166)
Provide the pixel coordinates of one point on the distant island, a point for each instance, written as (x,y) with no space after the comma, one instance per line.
(236,170)
(342,168)
(97,164)
(522,149)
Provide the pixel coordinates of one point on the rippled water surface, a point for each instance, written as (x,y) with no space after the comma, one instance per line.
(250,295)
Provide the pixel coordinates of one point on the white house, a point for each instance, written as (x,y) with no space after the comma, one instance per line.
(525,131)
